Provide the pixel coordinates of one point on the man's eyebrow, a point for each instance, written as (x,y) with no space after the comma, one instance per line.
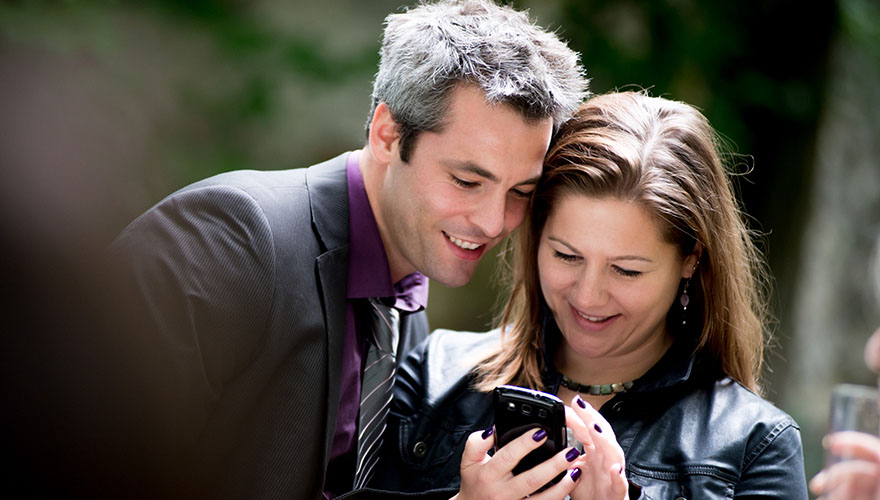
(482,172)
(530,182)
(473,168)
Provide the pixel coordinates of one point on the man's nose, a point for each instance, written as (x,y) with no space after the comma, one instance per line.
(490,215)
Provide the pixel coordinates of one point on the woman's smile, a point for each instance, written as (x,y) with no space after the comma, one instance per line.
(592,322)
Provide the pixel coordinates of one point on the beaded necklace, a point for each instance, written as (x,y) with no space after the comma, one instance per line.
(596,390)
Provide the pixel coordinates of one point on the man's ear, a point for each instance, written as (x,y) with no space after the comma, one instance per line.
(384,134)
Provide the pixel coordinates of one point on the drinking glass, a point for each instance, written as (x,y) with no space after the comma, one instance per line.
(853,408)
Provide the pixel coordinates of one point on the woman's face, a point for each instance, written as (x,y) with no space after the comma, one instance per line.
(609,277)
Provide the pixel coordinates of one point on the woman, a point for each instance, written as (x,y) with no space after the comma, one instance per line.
(636,290)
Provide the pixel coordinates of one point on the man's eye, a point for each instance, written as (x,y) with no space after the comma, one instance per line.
(521,194)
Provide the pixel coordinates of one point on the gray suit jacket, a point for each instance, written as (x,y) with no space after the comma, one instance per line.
(239,285)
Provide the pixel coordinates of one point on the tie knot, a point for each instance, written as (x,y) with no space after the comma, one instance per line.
(385,326)
(384,301)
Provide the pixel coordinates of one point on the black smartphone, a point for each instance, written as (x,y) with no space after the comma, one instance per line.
(518,410)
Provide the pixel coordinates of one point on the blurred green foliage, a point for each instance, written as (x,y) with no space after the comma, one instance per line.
(227,85)
(756,70)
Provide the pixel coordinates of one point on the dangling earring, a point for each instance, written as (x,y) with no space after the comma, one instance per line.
(684,300)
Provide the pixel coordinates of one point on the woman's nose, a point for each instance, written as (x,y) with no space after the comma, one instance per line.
(590,290)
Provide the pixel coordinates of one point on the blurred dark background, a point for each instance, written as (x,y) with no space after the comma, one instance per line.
(106,107)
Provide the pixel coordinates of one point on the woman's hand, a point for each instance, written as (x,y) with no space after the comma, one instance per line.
(485,477)
(857,477)
(603,462)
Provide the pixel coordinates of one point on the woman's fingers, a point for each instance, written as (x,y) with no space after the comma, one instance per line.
(619,486)
(578,427)
(595,430)
(561,489)
(506,458)
(533,479)
(603,461)
(477,446)
(482,474)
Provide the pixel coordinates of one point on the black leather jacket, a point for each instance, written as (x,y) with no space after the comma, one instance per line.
(687,430)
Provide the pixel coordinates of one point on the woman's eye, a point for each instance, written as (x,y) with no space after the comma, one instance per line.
(627,272)
(463,183)
(564,256)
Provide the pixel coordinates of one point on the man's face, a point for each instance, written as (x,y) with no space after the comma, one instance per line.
(464,189)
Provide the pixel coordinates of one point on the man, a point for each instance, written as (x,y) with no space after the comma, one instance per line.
(255,289)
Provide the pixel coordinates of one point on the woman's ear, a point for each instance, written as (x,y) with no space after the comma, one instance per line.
(691,262)
(384,134)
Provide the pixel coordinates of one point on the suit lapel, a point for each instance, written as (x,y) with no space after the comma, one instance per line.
(328,198)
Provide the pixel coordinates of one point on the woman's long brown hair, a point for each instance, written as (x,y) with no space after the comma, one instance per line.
(663,155)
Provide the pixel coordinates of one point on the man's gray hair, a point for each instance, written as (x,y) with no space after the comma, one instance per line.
(429,49)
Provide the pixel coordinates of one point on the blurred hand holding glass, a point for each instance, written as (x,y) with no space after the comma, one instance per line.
(852,458)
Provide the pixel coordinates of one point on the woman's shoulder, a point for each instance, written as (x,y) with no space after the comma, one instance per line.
(741,419)
(744,405)
(717,436)
(715,410)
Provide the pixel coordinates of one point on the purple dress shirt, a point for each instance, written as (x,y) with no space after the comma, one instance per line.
(369,276)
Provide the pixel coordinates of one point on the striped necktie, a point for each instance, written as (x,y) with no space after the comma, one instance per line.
(376,384)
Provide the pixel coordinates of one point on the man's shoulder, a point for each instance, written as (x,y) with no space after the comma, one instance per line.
(279,194)
(330,171)
(253,179)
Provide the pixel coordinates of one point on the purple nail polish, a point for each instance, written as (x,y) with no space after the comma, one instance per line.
(621,470)
(572,454)
(575,474)
(596,426)
(581,402)
(539,435)
(488,432)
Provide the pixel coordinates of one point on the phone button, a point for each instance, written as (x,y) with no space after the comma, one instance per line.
(420,449)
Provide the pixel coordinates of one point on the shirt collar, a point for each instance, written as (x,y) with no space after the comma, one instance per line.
(369,275)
